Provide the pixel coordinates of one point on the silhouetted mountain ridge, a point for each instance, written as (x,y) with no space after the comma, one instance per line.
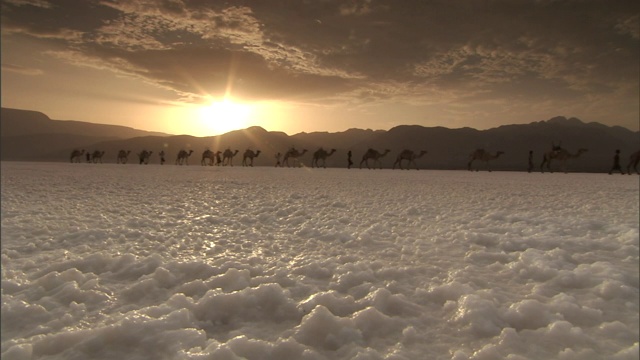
(447,148)
(15,122)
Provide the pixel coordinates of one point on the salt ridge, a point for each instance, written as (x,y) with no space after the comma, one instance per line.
(142,262)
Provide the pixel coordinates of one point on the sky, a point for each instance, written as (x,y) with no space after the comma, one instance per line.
(206,67)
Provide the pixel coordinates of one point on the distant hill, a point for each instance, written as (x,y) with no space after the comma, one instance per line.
(32,136)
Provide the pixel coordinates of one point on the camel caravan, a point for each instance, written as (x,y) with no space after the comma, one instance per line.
(557,158)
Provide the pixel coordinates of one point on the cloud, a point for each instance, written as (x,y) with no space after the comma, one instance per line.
(21,69)
(629,25)
(354,51)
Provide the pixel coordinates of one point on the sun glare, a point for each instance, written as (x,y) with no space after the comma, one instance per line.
(226,115)
(222,116)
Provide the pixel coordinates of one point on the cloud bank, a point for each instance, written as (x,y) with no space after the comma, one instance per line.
(443,53)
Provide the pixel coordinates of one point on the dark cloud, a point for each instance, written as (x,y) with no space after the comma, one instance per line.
(356,50)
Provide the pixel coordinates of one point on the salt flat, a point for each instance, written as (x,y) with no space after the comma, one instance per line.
(189,262)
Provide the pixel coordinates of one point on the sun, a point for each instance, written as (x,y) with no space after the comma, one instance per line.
(225,115)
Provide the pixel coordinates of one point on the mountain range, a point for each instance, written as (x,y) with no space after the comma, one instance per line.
(33,136)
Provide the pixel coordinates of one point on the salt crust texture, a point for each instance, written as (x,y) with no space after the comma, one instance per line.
(169,262)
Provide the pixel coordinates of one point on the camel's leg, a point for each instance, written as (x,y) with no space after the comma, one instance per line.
(635,166)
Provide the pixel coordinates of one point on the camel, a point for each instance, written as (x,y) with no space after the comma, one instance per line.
(634,159)
(321,154)
(294,154)
(183,157)
(227,157)
(76,155)
(97,156)
(123,156)
(410,156)
(249,154)
(144,156)
(482,155)
(211,156)
(560,154)
(375,155)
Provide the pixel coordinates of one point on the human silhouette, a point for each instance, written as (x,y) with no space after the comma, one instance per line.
(162,157)
(278,156)
(530,161)
(616,163)
(88,157)
(349,162)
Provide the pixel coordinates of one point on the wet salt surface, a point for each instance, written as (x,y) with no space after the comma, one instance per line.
(138,262)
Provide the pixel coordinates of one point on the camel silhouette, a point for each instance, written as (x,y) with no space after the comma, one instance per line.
(76,156)
(123,156)
(183,157)
(97,156)
(249,154)
(634,159)
(484,156)
(375,155)
(227,157)
(560,154)
(293,154)
(321,154)
(210,156)
(144,157)
(410,156)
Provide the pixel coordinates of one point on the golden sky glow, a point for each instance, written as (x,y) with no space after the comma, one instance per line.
(225,115)
(322,66)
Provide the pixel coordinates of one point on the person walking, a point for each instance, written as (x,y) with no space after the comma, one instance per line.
(349,162)
(278,156)
(616,163)
(530,161)
(162,157)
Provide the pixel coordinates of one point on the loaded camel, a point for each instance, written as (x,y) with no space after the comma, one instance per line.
(484,156)
(375,155)
(76,155)
(293,154)
(227,157)
(183,157)
(144,157)
(321,154)
(211,156)
(249,154)
(123,156)
(560,154)
(410,156)
(634,159)
(97,156)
